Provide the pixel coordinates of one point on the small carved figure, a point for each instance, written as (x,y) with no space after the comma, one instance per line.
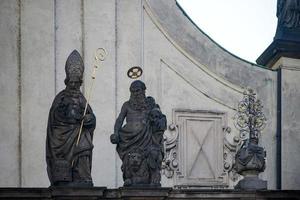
(69,163)
(144,128)
(158,123)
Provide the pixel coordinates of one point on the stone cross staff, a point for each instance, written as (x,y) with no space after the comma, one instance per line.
(100,55)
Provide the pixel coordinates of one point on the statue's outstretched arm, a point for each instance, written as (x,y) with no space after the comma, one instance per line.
(114,138)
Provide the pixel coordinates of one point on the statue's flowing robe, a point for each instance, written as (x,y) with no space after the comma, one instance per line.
(63,156)
(135,134)
(288,13)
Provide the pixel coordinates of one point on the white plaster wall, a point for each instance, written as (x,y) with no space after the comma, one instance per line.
(290,127)
(9,89)
(189,72)
(37,87)
(99,31)
(68,24)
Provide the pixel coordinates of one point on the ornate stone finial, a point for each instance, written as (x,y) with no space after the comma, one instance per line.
(250,119)
(250,158)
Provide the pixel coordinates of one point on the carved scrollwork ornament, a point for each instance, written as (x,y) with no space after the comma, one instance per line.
(231,145)
(170,162)
(173,168)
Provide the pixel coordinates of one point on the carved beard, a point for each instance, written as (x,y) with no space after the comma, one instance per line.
(138,102)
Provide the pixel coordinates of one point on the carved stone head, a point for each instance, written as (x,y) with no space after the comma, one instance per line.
(138,97)
(74,69)
(154,114)
(137,86)
(135,160)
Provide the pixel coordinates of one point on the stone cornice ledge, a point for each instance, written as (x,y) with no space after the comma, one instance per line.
(141,193)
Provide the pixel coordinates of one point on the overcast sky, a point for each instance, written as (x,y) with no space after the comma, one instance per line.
(243,27)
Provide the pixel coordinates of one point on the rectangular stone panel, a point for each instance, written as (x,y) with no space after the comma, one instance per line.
(200,148)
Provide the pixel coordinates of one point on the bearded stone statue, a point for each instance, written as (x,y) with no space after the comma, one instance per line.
(140,140)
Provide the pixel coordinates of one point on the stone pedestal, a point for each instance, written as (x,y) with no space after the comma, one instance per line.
(251,183)
(250,170)
(279,48)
